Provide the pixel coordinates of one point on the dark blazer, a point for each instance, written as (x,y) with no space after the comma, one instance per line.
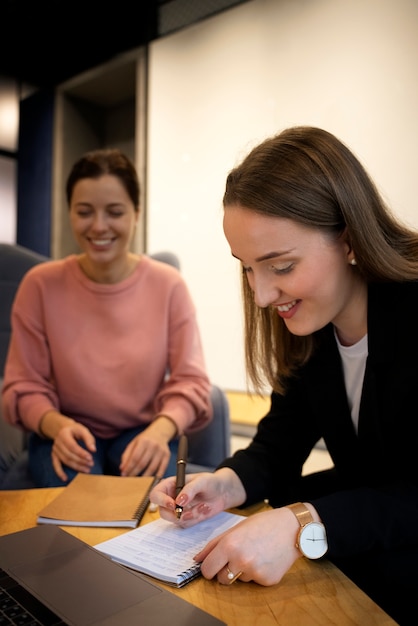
(369,503)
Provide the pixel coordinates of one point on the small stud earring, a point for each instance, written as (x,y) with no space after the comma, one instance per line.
(353,262)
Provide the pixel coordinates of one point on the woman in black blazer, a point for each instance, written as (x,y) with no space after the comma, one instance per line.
(330,290)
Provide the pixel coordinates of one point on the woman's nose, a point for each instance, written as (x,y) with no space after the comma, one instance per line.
(99,222)
(265,292)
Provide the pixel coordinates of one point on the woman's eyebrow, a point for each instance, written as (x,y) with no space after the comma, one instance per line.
(266,257)
(271,255)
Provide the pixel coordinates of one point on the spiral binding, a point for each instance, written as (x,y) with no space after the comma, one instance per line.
(142,506)
(188,575)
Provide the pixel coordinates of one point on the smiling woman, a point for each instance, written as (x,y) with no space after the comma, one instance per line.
(103,219)
(93,336)
(321,259)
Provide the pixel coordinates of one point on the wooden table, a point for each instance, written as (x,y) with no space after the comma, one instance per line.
(310,593)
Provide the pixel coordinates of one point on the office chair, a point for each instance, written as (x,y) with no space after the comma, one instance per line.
(207,447)
(15,261)
(211,445)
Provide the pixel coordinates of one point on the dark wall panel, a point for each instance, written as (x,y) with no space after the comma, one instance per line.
(34,174)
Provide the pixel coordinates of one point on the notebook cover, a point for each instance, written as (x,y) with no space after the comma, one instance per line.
(98,500)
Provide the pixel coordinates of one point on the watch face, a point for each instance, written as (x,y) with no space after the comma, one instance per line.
(313,540)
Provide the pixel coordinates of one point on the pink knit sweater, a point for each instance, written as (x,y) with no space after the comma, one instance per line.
(100,353)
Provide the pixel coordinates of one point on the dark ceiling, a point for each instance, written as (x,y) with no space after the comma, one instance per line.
(45,43)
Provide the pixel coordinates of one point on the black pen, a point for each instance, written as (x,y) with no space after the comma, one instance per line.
(181,470)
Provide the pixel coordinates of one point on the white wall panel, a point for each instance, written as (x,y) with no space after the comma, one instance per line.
(221,86)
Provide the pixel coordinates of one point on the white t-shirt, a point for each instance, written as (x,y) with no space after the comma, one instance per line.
(354,363)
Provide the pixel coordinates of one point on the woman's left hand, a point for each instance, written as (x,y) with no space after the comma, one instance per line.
(149,453)
(262,547)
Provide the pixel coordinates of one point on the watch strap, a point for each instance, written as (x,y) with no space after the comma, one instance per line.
(302,513)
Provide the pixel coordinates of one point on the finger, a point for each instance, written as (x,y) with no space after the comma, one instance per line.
(132,461)
(81,433)
(214,565)
(166,487)
(157,465)
(192,514)
(77,458)
(204,552)
(192,493)
(138,463)
(218,554)
(70,451)
(160,497)
(71,460)
(89,442)
(58,468)
(232,575)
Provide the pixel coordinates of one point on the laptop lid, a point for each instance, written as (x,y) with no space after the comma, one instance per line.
(85,588)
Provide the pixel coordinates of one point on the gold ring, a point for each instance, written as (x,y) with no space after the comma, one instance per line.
(231,576)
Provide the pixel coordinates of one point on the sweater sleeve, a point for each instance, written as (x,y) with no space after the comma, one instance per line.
(27,379)
(185,393)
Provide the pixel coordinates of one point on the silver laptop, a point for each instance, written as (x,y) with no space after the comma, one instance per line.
(62,580)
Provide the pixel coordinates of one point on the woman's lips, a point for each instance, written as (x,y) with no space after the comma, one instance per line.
(288,309)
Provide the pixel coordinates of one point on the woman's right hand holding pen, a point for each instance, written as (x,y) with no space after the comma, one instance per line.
(203,496)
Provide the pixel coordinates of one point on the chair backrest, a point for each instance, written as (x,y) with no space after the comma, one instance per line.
(15,261)
(165,256)
(211,445)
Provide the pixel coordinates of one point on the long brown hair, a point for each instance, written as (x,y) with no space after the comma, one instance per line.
(306,174)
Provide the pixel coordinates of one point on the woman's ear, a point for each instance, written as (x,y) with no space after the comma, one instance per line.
(348,247)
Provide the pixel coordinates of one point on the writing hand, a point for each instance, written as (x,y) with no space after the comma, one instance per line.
(203,496)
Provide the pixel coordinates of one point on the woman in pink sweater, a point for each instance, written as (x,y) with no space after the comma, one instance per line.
(105,364)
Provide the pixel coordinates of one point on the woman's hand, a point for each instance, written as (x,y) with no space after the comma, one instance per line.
(149,453)
(262,547)
(66,449)
(203,496)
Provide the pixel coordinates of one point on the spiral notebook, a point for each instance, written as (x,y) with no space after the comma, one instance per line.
(98,500)
(165,551)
